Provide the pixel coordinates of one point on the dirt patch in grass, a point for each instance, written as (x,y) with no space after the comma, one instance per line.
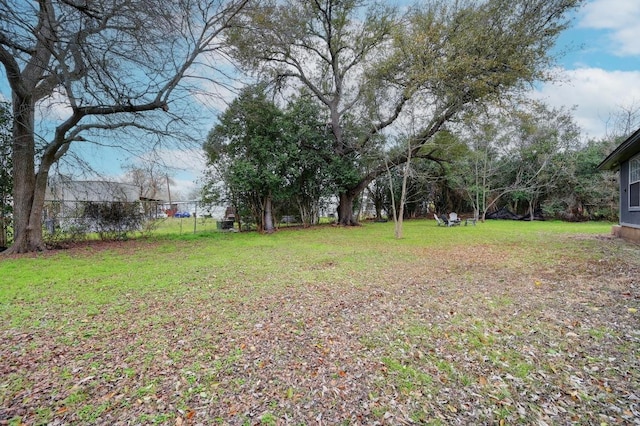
(467,335)
(89,248)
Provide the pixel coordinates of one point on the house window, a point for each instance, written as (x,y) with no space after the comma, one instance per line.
(634,183)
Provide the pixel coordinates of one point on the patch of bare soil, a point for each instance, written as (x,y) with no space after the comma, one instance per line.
(88,248)
(468,336)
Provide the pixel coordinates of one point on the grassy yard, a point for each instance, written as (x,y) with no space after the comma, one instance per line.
(501,323)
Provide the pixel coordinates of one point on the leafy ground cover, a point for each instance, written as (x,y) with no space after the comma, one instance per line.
(502,323)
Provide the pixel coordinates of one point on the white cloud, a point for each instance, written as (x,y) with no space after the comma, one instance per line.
(597,94)
(620,18)
(182,189)
(184,159)
(187,166)
(54,107)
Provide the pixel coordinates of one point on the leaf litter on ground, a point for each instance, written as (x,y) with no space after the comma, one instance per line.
(461,335)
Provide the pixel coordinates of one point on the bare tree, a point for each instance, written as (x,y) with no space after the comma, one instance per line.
(398,213)
(149,181)
(623,121)
(112,66)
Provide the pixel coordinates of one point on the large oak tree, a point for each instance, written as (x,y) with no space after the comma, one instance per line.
(111,65)
(366,64)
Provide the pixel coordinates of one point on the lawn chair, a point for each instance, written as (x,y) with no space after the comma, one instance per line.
(445,221)
(439,221)
(454,219)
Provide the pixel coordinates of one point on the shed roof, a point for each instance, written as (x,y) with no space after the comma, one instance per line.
(626,150)
(90,190)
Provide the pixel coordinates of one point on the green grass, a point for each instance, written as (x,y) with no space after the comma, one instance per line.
(406,376)
(176,319)
(86,284)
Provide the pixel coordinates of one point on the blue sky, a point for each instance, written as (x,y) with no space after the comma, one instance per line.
(601,71)
(599,75)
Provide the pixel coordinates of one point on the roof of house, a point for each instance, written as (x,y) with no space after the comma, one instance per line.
(74,190)
(626,150)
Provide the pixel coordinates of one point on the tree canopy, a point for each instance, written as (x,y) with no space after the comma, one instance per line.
(249,149)
(268,155)
(365,64)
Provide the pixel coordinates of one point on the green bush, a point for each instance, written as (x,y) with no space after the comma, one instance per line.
(113,220)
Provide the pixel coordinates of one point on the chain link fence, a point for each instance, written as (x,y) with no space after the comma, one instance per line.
(79,218)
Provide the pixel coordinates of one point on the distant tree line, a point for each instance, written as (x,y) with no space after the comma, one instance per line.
(526,180)
(269,161)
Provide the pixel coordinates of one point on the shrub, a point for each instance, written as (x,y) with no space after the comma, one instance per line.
(113,220)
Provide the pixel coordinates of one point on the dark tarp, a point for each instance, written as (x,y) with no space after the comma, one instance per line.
(505,213)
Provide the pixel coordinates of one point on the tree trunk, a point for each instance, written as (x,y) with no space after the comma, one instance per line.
(345,209)
(378,207)
(28,192)
(4,225)
(532,208)
(308,212)
(268,215)
(403,195)
(3,232)
(394,213)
